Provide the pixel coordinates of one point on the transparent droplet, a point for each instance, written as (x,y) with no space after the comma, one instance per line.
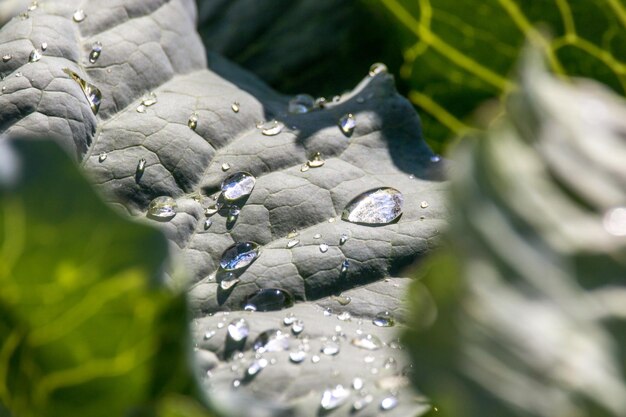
(18,74)
(297,327)
(384,319)
(345,316)
(323,247)
(146,102)
(292,243)
(207,224)
(344,266)
(34,56)
(615,221)
(141,108)
(367,342)
(424,204)
(256,367)
(33,6)
(390,363)
(330,348)
(289,319)
(271,128)
(336,99)
(342,299)
(269,299)
(334,397)
(96,50)
(79,15)
(292,233)
(317,236)
(92,93)
(103,156)
(435,158)
(236,383)
(235,107)
(238,330)
(328,312)
(298,356)
(343,238)
(302,103)
(357,384)
(377,206)
(237,185)
(316,161)
(377,68)
(227,284)
(208,335)
(388,403)
(361,403)
(192,122)
(163,207)
(141,167)
(305,167)
(347,124)
(239,255)
(6,57)
(44,46)
(225,166)
(315,359)
(320,102)
(369,359)
(272,340)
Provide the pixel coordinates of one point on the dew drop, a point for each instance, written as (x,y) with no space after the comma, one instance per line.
(302,103)
(362,402)
(289,319)
(162,208)
(238,330)
(208,335)
(292,243)
(272,340)
(330,348)
(615,221)
(328,312)
(388,403)
(271,128)
(6,57)
(333,398)
(317,236)
(292,233)
(377,206)
(345,316)
(79,15)
(377,68)
(298,356)
(18,74)
(235,107)
(424,204)
(209,211)
(227,284)
(384,319)
(316,161)
(239,256)
(435,158)
(357,384)
(268,299)
(297,327)
(256,367)
(347,124)
(141,167)
(323,247)
(147,101)
(192,122)
(315,359)
(343,238)
(225,166)
(344,266)
(207,224)
(44,46)
(367,342)
(342,299)
(34,56)
(237,185)
(390,363)
(92,93)
(103,156)
(96,50)
(33,6)
(305,167)
(236,383)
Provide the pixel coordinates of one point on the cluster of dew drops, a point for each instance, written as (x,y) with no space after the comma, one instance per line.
(378,206)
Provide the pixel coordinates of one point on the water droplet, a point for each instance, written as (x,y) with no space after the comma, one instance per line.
(271,128)
(272,340)
(103,156)
(269,299)
(256,367)
(377,206)
(141,108)
(435,158)
(235,107)
(347,124)
(367,342)
(33,6)
(302,103)
(328,312)
(297,357)
(92,93)
(6,57)
(357,384)
(18,74)
(209,211)
(237,185)
(343,238)
(333,398)
(424,204)
(292,243)
(362,402)
(315,359)
(320,102)
(342,299)
(344,266)
(331,220)
(384,319)
(317,236)
(236,383)
(615,221)
(239,255)
(34,56)
(297,327)
(238,330)
(207,224)
(345,316)
(225,166)
(79,15)
(192,122)
(388,403)
(390,363)
(292,233)
(96,50)
(316,161)
(289,319)
(369,359)
(147,101)
(336,99)
(323,247)
(141,167)
(305,167)
(44,46)
(227,284)
(163,208)
(377,68)
(330,348)
(208,335)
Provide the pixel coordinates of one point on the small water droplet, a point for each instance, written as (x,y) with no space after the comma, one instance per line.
(369,359)
(228,283)
(34,56)
(330,348)
(298,356)
(209,334)
(292,243)
(147,101)
(192,122)
(315,359)
(614,221)
(328,312)
(162,208)
(292,233)
(424,204)
(33,6)
(384,319)
(268,299)
(302,103)
(18,74)
(272,340)
(320,102)
(238,330)
(6,57)
(345,316)
(96,50)
(141,108)
(367,342)
(141,167)
(289,319)
(377,68)
(209,211)
(225,166)
(331,220)
(92,93)
(79,15)
(333,398)
(297,327)
(316,161)
(236,383)
(342,299)
(361,403)
(344,266)
(388,403)
(207,224)
(347,124)
(305,167)
(239,256)
(271,128)
(323,247)
(435,158)
(343,238)
(44,46)
(377,206)
(237,186)
(357,384)
(390,363)
(103,156)
(256,367)
(235,107)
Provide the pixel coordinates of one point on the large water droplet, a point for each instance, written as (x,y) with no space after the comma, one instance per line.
(34,56)
(377,206)
(330,348)
(347,124)
(162,208)
(271,128)
(93,95)
(367,342)
(388,403)
(289,319)
(377,68)
(316,161)
(96,50)
(272,340)
(240,255)
(302,103)
(269,299)
(237,185)
(238,330)
(334,397)
(297,357)
(79,15)
(384,319)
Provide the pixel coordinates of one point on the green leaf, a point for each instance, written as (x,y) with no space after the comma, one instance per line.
(458,54)
(530,294)
(86,324)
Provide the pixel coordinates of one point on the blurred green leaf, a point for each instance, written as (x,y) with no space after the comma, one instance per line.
(86,324)
(458,54)
(530,292)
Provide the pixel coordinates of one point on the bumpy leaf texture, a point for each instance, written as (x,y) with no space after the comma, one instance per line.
(153,76)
